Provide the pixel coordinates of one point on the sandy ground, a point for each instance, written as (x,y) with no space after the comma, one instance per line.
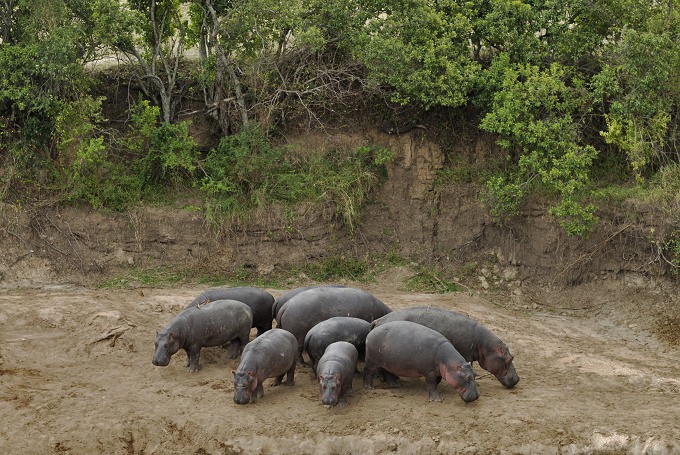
(587,386)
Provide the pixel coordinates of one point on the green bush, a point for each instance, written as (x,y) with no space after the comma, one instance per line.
(533,111)
(429,281)
(246,171)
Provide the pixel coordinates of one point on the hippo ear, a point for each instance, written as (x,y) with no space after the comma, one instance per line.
(322,377)
(171,336)
(233,372)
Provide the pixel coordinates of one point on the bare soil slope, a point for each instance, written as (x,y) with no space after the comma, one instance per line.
(588,385)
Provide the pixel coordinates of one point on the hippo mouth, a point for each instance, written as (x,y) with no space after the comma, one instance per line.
(160,363)
(329,402)
(469,395)
(509,380)
(241,396)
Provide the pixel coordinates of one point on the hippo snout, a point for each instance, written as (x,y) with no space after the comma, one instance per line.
(241,396)
(510,379)
(469,393)
(161,361)
(329,400)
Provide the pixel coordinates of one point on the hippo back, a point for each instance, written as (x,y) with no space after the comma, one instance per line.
(308,308)
(259,301)
(412,346)
(281,301)
(464,333)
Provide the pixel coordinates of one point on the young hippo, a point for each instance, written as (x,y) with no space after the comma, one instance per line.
(335,371)
(271,355)
(341,328)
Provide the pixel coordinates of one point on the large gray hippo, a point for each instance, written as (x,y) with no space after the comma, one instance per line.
(308,308)
(259,301)
(474,341)
(403,348)
(282,300)
(213,324)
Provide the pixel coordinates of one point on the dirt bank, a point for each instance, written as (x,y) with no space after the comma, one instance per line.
(588,385)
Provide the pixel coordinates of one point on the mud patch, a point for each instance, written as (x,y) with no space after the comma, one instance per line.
(588,385)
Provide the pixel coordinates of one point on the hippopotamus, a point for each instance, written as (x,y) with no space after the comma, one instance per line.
(270,355)
(335,371)
(213,324)
(308,308)
(474,341)
(259,300)
(340,328)
(281,301)
(404,348)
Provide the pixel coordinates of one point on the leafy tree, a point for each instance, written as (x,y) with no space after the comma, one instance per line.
(536,112)
(640,87)
(419,50)
(42,85)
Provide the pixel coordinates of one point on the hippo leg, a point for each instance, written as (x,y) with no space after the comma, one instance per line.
(234,349)
(290,376)
(391,379)
(342,401)
(193,353)
(369,372)
(277,381)
(300,359)
(263,328)
(432,380)
(259,392)
(237,345)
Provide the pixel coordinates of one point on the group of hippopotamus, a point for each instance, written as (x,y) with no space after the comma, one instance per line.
(337,326)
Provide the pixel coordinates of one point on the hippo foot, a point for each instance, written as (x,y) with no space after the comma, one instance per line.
(327,406)
(192,369)
(342,404)
(436,398)
(369,386)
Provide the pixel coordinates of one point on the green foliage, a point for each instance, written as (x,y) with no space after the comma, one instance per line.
(534,115)
(94,178)
(245,171)
(568,87)
(664,191)
(166,153)
(339,267)
(640,82)
(420,50)
(431,281)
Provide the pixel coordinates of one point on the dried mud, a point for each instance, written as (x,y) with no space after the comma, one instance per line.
(588,385)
